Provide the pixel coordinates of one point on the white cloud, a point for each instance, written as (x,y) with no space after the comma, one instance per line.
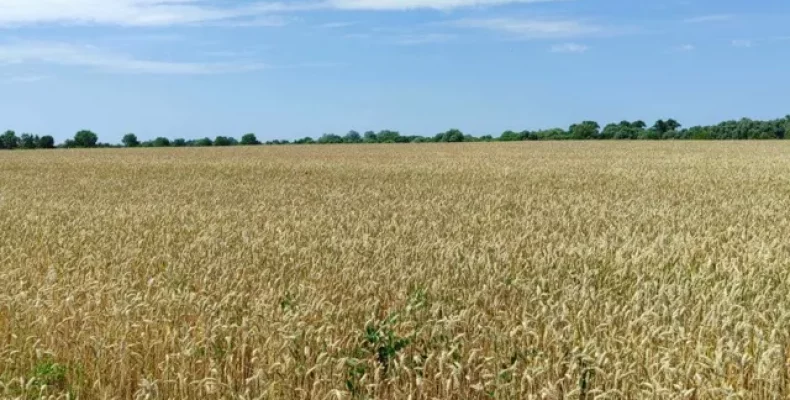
(708,18)
(133,12)
(569,48)
(336,25)
(533,28)
(414,4)
(253,22)
(8,79)
(93,57)
(742,43)
(180,12)
(686,47)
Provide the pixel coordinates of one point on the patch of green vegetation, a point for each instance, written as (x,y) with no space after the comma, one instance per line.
(50,374)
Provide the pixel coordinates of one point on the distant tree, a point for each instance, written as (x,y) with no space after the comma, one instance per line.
(585,130)
(453,136)
(388,136)
(130,140)
(610,131)
(780,132)
(27,141)
(249,140)
(528,135)
(223,141)
(486,138)
(330,138)
(660,127)
(629,130)
(699,133)
(651,134)
(352,137)
(371,137)
(403,139)
(85,138)
(661,130)
(46,142)
(9,140)
(672,125)
(553,134)
(509,136)
(179,142)
(306,140)
(161,142)
(203,142)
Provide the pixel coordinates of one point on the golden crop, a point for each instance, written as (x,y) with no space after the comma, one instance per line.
(510,271)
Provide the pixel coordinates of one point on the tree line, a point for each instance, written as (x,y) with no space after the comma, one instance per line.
(587,130)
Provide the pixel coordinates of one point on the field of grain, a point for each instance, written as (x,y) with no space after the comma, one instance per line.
(509,271)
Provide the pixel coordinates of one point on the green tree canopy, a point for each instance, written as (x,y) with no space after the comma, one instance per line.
(249,140)
(509,136)
(352,137)
(28,141)
(203,142)
(223,141)
(46,142)
(85,138)
(585,130)
(161,142)
(130,140)
(453,136)
(9,140)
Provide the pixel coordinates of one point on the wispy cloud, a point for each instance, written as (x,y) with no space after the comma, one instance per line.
(137,12)
(534,28)
(92,57)
(253,22)
(569,48)
(336,25)
(143,37)
(742,43)
(708,18)
(186,12)
(685,48)
(9,79)
(416,4)
(426,38)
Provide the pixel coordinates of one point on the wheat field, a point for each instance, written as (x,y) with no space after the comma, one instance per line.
(580,270)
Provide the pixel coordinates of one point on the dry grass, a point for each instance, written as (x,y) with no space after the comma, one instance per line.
(508,271)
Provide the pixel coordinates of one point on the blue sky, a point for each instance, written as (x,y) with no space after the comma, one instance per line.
(288,69)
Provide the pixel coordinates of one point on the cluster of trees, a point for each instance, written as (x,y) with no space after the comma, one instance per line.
(586,130)
(9,141)
(625,130)
(130,140)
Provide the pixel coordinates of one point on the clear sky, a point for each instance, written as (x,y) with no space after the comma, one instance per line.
(288,69)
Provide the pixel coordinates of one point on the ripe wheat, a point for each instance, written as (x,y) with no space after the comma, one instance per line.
(510,271)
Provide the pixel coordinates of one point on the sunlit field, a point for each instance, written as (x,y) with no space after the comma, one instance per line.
(543,270)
